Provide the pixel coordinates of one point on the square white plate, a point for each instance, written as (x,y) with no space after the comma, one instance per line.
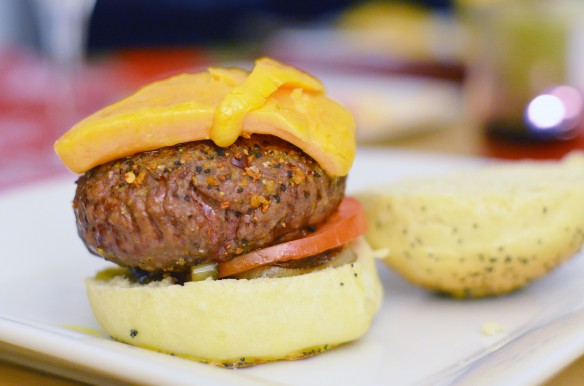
(417,338)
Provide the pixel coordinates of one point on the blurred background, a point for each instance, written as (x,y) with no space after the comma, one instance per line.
(499,78)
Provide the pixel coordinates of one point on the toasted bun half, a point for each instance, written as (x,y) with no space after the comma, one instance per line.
(482,233)
(239,323)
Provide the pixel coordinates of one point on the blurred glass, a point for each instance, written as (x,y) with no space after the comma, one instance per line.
(526,69)
(63,27)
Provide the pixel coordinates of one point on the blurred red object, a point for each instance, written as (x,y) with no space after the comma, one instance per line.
(517,150)
(139,66)
(39,102)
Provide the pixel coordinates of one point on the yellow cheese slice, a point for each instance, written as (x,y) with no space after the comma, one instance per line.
(220,104)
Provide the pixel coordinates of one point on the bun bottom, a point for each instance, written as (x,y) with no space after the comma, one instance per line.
(240,323)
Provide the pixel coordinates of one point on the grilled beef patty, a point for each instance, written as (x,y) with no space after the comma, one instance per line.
(168,209)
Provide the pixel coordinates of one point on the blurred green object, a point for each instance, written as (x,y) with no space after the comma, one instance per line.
(518,51)
(528,51)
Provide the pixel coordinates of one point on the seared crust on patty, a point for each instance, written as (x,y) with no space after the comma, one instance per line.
(195,202)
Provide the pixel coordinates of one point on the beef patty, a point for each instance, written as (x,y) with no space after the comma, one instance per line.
(196,202)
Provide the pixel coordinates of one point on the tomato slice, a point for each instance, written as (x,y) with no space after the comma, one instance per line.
(344,225)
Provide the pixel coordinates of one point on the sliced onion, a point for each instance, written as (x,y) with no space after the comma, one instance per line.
(204,271)
(343,256)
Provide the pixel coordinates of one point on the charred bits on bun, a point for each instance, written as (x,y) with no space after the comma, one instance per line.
(221,197)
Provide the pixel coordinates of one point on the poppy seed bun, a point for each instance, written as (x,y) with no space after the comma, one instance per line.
(238,323)
(481,233)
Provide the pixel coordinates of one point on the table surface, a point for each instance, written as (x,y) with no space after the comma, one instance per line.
(457,139)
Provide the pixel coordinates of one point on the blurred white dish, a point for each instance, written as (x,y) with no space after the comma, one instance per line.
(417,338)
(391,106)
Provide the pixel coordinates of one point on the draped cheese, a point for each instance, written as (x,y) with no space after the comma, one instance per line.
(219,104)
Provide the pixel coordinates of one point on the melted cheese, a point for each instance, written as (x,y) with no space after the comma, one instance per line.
(219,104)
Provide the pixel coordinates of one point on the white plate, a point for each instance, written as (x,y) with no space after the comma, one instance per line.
(393,106)
(417,338)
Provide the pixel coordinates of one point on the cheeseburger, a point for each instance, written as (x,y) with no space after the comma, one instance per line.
(220,196)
